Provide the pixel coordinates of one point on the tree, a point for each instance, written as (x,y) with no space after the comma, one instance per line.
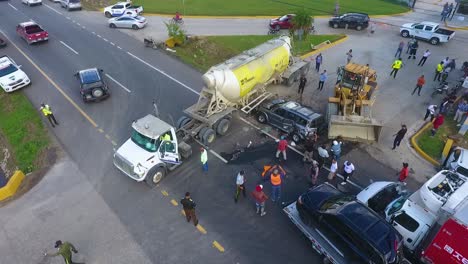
(302,23)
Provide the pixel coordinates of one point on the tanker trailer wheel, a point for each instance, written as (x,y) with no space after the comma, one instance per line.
(182,121)
(154,176)
(208,136)
(222,127)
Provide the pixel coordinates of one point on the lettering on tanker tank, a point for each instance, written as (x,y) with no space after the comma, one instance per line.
(456,254)
(246,80)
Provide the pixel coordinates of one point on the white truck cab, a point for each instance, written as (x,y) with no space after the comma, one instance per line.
(458,161)
(150,152)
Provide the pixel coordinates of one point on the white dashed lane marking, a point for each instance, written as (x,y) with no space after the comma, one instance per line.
(121,85)
(12,6)
(70,48)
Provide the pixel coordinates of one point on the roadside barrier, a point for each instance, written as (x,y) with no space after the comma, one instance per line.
(12,185)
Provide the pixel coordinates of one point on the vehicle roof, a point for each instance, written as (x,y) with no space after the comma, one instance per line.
(5,61)
(356,13)
(417,212)
(367,223)
(301,110)
(372,190)
(317,195)
(89,75)
(463,159)
(433,24)
(28,23)
(151,126)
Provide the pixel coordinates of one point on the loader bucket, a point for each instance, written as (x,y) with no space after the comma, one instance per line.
(354,128)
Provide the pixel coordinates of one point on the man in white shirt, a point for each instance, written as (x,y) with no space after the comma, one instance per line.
(430,111)
(446,61)
(333,170)
(323,155)
(240,185)
(348,170)
(426,55)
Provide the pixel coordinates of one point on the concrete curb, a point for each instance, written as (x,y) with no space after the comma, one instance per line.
(418,149)
(456,28)
(12,185)
(325,47)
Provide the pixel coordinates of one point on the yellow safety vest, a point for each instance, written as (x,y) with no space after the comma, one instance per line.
(397,64)
(46,110)
(440,67)
(166,137)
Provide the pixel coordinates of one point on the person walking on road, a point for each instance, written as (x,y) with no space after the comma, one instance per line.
(336,150)
(314,172)
(333,171)
(426,55)
(438,121)
(372,28)
(47,111)
(396,67)
(349,56)
(348,170)
(323,155)
(420,83)
(430,111)
(276,180)
(240,185)
(410,44)
(204,159)
(413,50)
(438,71)
(65,250)
(403,174)
(260,198)
(323,77)
(189,208)
(399,49)
(318,62)
(282,146)
(399,136)
(302,84)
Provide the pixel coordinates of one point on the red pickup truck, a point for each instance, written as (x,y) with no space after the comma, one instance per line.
(31,32)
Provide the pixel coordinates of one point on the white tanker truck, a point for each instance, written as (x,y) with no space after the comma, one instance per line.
(156,147)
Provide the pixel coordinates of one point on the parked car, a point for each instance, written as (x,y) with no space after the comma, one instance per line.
(368,236)
(92,85)
(290,117)
(31,32)
(428,31)
(357,21)
(11,76)
(282,22)
(122,8)
(379,195)
(32,2)
(128,22)
(71,4)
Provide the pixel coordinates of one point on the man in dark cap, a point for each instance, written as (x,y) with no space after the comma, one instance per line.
(399,136)
(189,208)
(65,250)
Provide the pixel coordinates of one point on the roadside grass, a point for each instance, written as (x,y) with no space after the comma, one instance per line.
(204,52)
(268,7)
(433,146)
(23,130)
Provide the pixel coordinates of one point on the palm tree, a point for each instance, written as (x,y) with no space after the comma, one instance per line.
(302,23)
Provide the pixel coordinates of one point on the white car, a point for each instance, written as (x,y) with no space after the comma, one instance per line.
(32,2)
(127,22)
(379,195)
(12,77)
(122,9)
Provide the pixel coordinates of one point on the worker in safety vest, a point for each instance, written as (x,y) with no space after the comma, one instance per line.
(438,71)
(276,175)
(165,137)
(47,111)
(396,66)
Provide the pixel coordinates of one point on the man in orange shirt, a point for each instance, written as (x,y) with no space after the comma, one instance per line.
(419,85)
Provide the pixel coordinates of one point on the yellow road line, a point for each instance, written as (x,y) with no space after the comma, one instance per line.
(218,246)
(201,229)
(173,202)
(164,193)
(324,47)
(52,82)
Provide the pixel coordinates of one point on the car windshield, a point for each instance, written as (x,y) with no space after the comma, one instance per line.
(396,205)
(8,69)
(145,142)
(336,202)
(33,29)
(283,18)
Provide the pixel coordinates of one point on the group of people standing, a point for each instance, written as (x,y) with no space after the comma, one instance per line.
(446,11)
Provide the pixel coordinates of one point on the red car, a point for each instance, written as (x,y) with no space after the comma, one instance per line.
(283,22)
(31,32)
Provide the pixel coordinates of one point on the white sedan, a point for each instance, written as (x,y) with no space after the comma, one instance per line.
(32,2)
(128,22)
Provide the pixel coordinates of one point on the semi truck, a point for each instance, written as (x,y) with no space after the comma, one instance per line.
(156,147)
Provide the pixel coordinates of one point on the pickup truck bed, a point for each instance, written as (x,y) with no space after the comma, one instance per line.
(444,31)
(319,242)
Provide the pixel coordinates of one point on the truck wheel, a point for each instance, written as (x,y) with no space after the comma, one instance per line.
(296,138)
(208,136)
(154,176)
(183,120)
(223,126)
(405,33)
(108,14)
(434,41)
(262,118)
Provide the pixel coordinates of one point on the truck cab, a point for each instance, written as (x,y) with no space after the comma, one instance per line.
(151,150)
(458,161)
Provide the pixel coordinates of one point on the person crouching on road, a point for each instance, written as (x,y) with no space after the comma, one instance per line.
(64,250)
(260,199)
(240,185)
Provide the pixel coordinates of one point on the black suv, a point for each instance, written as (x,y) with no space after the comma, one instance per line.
(290,117)
(358,21)
(92,85)
(367,237)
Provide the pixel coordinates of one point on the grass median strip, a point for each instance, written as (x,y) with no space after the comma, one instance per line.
(22,127)
(204,52)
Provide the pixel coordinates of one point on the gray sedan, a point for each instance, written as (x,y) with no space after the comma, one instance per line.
(128,22)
